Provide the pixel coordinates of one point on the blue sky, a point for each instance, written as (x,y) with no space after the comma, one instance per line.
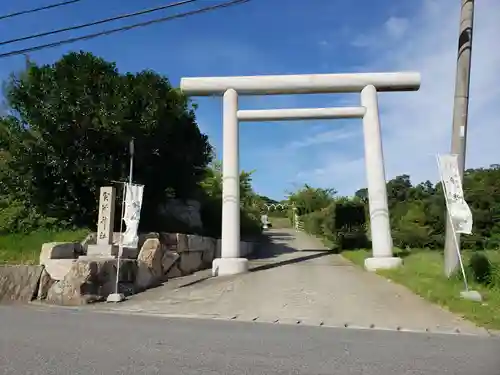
(295,37)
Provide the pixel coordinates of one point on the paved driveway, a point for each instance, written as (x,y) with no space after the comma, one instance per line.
(295,281)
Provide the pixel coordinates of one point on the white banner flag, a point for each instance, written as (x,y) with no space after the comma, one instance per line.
(458,209)
(132,214)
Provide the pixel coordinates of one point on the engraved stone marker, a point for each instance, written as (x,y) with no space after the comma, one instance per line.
(104,245)
(106,215)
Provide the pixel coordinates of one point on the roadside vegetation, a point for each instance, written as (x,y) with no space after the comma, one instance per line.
(24,248)
(422,273)
(418,222)
(65,132)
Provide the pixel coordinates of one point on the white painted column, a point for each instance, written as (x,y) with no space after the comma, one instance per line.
(377,191)
(230,177)
(230,262)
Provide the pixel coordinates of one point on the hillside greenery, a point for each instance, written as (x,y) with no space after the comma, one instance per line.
(417,214)
(66,133)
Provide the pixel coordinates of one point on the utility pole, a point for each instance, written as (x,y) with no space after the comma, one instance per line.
(460,114)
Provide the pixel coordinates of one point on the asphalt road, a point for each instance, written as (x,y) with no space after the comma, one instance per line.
(42,341)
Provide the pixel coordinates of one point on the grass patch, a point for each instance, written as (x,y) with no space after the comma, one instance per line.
(422,273)
(21,248)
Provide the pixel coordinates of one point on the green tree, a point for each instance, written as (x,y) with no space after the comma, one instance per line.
(212,184)
(308,199)
(362,194)
(417,212)
(398,190)
(411,227)
(482,191)
(78,116)
(212,202)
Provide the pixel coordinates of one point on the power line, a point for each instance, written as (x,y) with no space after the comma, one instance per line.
(125,28)
(99,22)
(34,10)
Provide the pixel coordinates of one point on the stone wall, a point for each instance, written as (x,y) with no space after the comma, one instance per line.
(165,256)
(65,278)
(19,283)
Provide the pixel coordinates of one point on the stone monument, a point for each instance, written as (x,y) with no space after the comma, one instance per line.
(104,247)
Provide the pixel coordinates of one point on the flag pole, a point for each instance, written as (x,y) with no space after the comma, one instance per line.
(120,246)
(467,293)
(131,164)
(117,296)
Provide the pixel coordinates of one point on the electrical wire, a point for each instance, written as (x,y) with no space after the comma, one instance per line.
(99,22)
(34,10)
(124,28)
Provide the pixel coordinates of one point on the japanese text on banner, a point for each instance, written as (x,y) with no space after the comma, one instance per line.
(458,209)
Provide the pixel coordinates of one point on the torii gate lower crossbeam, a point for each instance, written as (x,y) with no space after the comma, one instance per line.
(366,83)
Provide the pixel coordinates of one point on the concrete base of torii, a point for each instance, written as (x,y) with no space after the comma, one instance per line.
(382,263)
(229,266)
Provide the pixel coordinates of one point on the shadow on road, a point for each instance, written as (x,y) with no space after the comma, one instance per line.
(198,281)
(274,244)
(286,262)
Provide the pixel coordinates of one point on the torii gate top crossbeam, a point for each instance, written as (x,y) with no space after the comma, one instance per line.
(300,84)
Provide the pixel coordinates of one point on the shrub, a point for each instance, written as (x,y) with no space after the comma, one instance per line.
(250,224)
(342,223)
(483,270)
(495,275)
(313,223)
(211,216)
(17,216)
(480,268)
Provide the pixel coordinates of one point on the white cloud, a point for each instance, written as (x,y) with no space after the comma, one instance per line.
(343,167)
(363,40)
(416,126)
(329,136)
(396,27)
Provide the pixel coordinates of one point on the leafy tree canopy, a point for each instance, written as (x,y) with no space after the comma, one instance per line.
(69,132)
(308,199)
(417,212)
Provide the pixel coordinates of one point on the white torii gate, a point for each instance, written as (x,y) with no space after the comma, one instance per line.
(366,83)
